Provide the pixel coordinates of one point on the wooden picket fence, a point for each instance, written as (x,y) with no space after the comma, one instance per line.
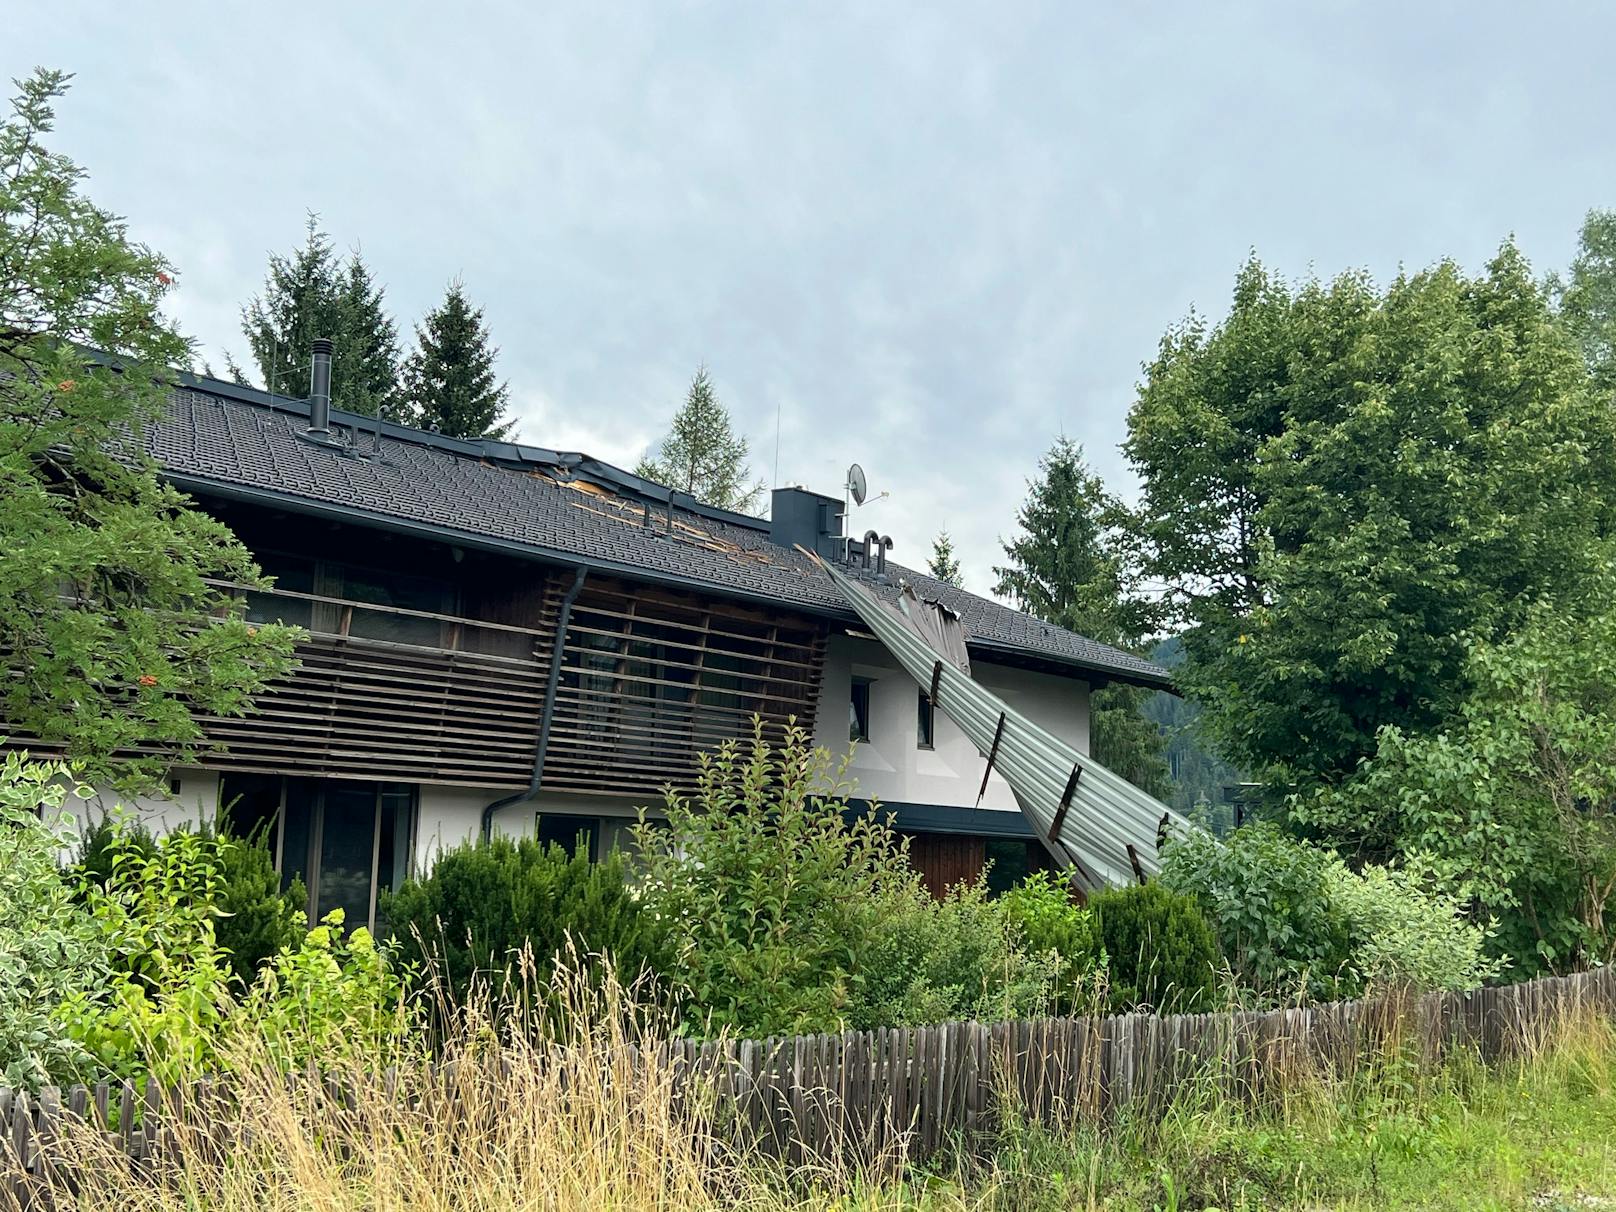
(892,1095)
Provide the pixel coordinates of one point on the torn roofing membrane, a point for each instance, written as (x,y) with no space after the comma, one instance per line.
(1089,818)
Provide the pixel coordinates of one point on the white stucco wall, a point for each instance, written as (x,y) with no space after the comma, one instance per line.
(195,798)
(446,816)
(451,815)
(892,767)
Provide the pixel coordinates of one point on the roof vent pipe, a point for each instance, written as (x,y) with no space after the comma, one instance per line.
(320,388)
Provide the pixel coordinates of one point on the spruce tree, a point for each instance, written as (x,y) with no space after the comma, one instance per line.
(364,358)
(1070,566)
(312,293)
(943,564)
(703,455)
(449,382)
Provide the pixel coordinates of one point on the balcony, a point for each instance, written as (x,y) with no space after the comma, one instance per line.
(390,693)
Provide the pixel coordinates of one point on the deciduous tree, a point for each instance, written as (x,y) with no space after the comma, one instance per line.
(113,636)
(1340,482)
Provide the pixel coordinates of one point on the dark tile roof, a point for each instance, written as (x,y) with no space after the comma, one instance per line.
(217,437)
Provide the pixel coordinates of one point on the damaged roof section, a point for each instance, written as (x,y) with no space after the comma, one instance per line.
(559,506)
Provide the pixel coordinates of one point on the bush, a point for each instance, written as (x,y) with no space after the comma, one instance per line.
(50,948)
(964,957)
(253,918)
(1159,947)
(1042,909)
(775,903)
(1406,934)
(167,1003)
(483,903)
(1295,920)
(256,920)
(1265,895)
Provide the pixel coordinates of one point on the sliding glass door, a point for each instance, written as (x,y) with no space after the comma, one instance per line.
(347,841)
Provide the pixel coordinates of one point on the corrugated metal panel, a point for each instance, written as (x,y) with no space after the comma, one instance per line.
(1106,814)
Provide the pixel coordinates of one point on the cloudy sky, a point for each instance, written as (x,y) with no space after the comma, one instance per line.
(928,238)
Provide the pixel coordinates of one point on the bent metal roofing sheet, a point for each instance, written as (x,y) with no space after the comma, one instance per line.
(552,505)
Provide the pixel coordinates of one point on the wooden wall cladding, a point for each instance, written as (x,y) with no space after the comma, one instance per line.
(946,859)
(650,678)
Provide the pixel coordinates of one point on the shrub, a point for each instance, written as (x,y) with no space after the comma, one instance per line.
(253,919)
(167,1003)
(1042,909)
(484,903)
(1159,947)
(256,919)
(1265,895)
(773,900)
(1406,934)
(49,945)
(964,957)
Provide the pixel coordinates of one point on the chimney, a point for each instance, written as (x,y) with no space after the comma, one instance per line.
(799,518)
(320,389)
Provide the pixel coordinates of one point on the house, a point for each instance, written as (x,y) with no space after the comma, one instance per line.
(504,637)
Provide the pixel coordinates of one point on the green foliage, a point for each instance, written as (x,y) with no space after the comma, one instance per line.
(1159,948)
(314,294)
(963,957)
(943,563)
(772,899)
(1294,920)
(103,576)
(484,904)
(253,918)
(1198,775)
(256,920)
(1588,298)
(1510,807)
(164,1000)
(1340,481)
(1404,933)
(703,455)
(1267,897)
(449,383)
(1042,909)
(49,946)
(1071,566)
(330,997)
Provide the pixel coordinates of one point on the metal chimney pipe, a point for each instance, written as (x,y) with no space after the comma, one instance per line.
(320,388)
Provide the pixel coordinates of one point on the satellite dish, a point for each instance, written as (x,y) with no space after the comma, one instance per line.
(856,484)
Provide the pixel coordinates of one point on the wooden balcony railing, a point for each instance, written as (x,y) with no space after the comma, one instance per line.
(386,692)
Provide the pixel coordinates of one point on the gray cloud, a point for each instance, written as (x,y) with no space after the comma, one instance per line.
(929,240)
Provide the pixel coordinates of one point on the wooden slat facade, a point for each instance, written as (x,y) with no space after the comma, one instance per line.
(650,678)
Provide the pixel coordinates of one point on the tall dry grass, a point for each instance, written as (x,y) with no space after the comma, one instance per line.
(577,1107)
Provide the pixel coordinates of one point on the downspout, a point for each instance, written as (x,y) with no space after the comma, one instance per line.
(563,621)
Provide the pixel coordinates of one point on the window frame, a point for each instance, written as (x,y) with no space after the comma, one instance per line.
(859,723)
(309,867)
(926,723)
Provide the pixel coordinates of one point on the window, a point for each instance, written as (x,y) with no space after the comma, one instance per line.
(347,841)
(928,720)
(569,832)
(1013,860)
(858,711)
